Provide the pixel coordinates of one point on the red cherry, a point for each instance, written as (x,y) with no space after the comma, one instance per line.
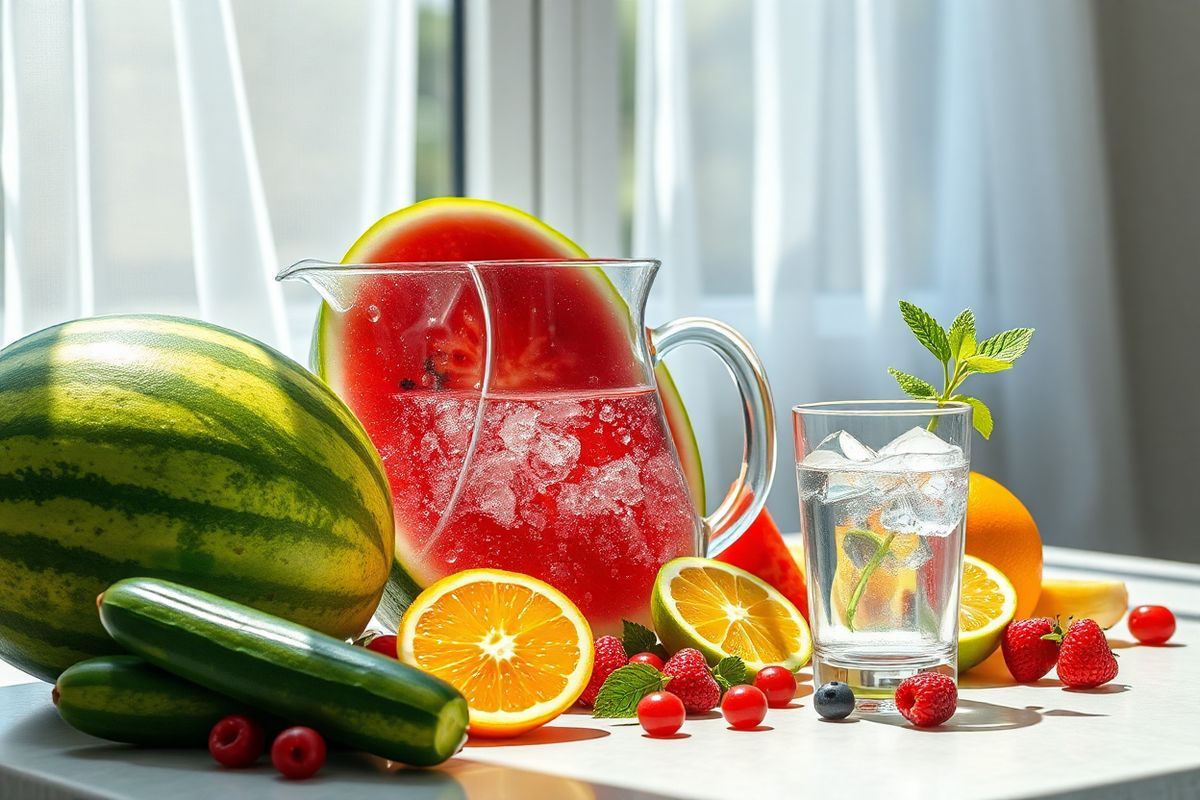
(778,684)
(298,752)
(649,659)
(744,707)
(236,741)
(384,644)
(661,713)
(1152,624)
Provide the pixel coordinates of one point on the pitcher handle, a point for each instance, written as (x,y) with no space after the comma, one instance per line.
(758,416)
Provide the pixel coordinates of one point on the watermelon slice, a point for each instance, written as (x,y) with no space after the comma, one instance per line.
(426,331)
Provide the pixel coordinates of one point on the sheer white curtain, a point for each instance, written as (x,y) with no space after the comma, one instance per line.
(169,157)
(943,152)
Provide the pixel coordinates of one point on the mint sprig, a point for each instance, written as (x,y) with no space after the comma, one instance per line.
(730,671)
(625,687)
(961,356)
(636,638)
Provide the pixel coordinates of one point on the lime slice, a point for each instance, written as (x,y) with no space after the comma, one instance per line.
(721,611)
(986,606)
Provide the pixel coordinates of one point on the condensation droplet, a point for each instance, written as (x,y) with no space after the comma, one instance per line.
(373,313)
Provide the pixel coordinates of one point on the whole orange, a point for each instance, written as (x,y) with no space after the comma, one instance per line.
(1001,531)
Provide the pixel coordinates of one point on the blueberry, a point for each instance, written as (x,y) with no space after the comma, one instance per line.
(834,700)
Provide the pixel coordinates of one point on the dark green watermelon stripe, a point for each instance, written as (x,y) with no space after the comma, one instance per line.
(319,485)
(135,501)
(319,482)
(330,414)
(163,385)
(43,631)
(171,344)
(36,553)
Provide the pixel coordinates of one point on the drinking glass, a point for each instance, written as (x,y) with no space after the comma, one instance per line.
(883,497)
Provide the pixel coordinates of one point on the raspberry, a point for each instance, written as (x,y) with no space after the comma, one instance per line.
(927,699)
(691,681)
(610,656)
(1026,654)
(1085,660)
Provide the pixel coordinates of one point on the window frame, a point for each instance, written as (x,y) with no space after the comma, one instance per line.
(541,112)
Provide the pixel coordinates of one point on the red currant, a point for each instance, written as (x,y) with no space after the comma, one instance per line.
(1152,624)
(661,713)
(383,644)
(298,752)
(649,659)
(744,707)
(236,741)
(778,684)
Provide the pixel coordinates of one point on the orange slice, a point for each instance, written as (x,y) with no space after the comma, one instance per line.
(722,610)
(518,650)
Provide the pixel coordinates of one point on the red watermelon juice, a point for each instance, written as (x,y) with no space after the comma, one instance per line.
(529,438)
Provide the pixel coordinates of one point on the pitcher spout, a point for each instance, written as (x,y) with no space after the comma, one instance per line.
(326,278)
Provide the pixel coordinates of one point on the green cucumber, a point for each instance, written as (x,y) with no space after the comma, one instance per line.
(124,699)
(349,694)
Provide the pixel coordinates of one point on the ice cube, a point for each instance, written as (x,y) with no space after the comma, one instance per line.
(837,449)
(620,481)
(914,511)
(919,440)
(900,514)
(552,456)
(825,459)
(605,490)
(917,450)
(518,429)
(498,501)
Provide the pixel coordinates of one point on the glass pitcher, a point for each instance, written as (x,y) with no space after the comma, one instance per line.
(515,407)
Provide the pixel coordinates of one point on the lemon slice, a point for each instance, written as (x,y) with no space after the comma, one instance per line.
(1102,600)
(518,650)
(986,606)
(721,611)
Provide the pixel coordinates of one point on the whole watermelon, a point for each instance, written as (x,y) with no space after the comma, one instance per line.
(166,447)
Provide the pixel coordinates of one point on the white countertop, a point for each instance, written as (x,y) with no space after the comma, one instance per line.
(1135,738)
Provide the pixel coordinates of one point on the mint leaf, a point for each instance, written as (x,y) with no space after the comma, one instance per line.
(723,682)
(637,638)
(912,385)
(981,416)
(624,688)
(1006,346)
(962,335)
(927,330)
(731,670)
(983,363)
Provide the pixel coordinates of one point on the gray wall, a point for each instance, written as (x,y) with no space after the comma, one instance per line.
(1150,76)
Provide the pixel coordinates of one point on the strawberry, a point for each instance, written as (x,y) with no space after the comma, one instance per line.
(610,656)
(927,699)
(1085,660)
(1027,654)
(691,681)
